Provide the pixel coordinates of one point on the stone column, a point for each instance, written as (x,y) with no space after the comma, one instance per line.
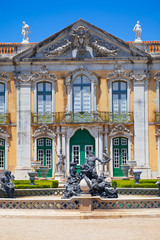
(140,84)
(100,146)
(64,145)
(58,141)
(23,131)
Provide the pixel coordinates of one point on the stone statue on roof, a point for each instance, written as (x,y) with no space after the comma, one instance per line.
(137,29)
(25,32)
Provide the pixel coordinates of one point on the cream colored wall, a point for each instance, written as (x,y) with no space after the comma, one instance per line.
(153,154)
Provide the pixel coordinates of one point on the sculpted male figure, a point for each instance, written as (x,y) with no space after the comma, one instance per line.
(137,29)
(25,32)
(90,161)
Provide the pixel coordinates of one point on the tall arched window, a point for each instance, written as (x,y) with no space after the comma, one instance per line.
(119,97)
(81,94)
(44,97)
(2,98)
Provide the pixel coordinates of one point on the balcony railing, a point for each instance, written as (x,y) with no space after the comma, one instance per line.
(4,119)
(82,117)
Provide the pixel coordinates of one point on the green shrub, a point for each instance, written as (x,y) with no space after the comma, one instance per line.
(145,185)
(25,184)
(55,184)
(20,186)
(114,183)
(21,182)
(148,183)
(148,180)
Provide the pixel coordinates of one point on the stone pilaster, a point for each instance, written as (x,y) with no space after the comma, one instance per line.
(23,131)
(140,85)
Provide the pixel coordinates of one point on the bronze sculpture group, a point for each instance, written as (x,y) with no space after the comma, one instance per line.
(97,184)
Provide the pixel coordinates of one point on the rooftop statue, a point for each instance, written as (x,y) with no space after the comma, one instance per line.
(25,32)
(137,29)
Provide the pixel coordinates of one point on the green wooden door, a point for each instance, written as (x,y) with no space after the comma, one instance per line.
(80,145)
(44,154)
(120,155)
(2,153)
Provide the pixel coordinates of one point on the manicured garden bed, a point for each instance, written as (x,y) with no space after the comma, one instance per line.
(25,184)
(143,183)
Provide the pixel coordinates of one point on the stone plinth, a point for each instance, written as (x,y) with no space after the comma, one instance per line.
(60,177)
(85,203)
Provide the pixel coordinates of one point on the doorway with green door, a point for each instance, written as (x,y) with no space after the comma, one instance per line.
(44,154)
(81,143)
(120,155)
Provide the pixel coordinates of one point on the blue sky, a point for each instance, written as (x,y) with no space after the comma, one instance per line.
(47,17)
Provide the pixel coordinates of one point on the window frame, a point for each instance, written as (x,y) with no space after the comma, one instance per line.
(110,82)
(82,87)
(119,93)
(44,93)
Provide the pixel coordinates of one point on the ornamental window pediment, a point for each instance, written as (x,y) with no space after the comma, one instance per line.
(44,130)
(25,79)
(118,130)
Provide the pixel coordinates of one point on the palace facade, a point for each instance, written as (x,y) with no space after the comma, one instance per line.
(81,89)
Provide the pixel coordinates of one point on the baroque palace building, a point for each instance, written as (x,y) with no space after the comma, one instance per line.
(81,89)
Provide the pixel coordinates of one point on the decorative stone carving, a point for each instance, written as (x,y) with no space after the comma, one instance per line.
(4,132)
(120,128)
(57,51)
(25,32)
(103,51)
(4,76)
(157,75)
(70,77)
(158,132)
(43,130)
(25,79)
(82,44)
(118,72)
(137,29)
(140,77)
(43,73)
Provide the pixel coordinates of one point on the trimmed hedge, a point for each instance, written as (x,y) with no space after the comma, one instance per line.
(25,184)
(148,183)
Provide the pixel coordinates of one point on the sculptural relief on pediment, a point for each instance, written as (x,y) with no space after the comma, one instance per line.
(81,43)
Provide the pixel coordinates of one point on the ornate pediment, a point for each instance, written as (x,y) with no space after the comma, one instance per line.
(44,130)
(81,40)
(119,129)
(28,78)
(81,43)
